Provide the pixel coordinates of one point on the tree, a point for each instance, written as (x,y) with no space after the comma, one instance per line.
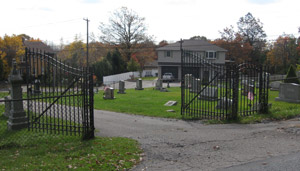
(102,68)
(291,76)
(283,52)
(125,29)
(163,43)
(132,65)
(116,61)
(10,47)
(199,38)
(251,29)
(237,49)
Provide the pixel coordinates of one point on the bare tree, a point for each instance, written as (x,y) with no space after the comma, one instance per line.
(125,29)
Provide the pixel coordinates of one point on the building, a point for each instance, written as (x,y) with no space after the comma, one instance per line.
(169,56)
(38,66)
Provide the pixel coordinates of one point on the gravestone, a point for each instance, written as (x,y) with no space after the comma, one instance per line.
(37,84)
(171,103)
(289,92)
(121,87)
(163,89)
(196,85)
(109,93)
(17,117)
(223,102)
(158,84)
(139,84)
(209,93)
(247,88)
(188,80)
(7,106)
(275,85)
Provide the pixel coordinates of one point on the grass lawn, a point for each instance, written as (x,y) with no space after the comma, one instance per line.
(151,102)
(31,150)
(146,102)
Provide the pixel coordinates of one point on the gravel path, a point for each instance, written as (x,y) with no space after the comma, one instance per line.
(191,145)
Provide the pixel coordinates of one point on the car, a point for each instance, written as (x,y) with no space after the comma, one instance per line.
(168,77)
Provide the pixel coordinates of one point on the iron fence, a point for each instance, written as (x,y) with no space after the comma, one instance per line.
(221,91)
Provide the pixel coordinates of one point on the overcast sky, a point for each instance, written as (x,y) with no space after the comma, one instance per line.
(168,20)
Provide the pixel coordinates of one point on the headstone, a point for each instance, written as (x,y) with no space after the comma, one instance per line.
(209,93)
(121,87)
(139,84)
(275,85)
(223,102)
(196,85)
(188,80)
(37,84)
(109,93)
(158,84)
(289,92)
(7,106)
(17,117)
(247,88)
(163,89)
(171,103)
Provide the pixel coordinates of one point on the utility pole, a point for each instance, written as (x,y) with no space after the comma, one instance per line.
(87,42)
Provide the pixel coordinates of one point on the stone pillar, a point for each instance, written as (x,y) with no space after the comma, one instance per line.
(139,84)
(158,84)
(121,87)
(17,118)
(109,93)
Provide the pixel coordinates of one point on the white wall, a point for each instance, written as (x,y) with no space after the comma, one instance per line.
(126,76)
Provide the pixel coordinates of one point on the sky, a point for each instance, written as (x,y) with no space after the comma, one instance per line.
(61,20)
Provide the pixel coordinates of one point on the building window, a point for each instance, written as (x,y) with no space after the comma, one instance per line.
(168,54)
(211,55)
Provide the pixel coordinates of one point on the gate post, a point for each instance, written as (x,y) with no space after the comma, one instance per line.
(235,91)
(17,116)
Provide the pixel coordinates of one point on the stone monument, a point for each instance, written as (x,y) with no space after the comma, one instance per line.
(158,84)
(17,117)
(121,87)
(187,80)
(209,93)
(289,92)
(196,85)
(109,93)
(139,84)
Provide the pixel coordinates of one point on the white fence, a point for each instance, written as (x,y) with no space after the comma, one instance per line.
(128,75)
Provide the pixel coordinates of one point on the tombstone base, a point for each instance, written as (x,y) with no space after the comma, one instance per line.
(163,90)
(208,98)
(108,98)
(17,123)
(139,88)
(121,92)
(287,100)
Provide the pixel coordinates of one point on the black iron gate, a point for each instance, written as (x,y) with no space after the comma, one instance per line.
(59,96)
(221,91)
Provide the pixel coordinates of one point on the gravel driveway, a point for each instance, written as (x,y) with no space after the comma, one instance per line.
(191,145)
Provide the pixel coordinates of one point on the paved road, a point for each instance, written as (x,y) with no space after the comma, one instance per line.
(146,84)
(191,145)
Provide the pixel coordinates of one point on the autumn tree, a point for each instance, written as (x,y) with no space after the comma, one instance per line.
(237,49)
(125,29)
(163,43)
(251,29)
(283,53)
(10,47)
(199,38)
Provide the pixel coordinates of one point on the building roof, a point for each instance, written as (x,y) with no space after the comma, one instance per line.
(194,45)
(36,45)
